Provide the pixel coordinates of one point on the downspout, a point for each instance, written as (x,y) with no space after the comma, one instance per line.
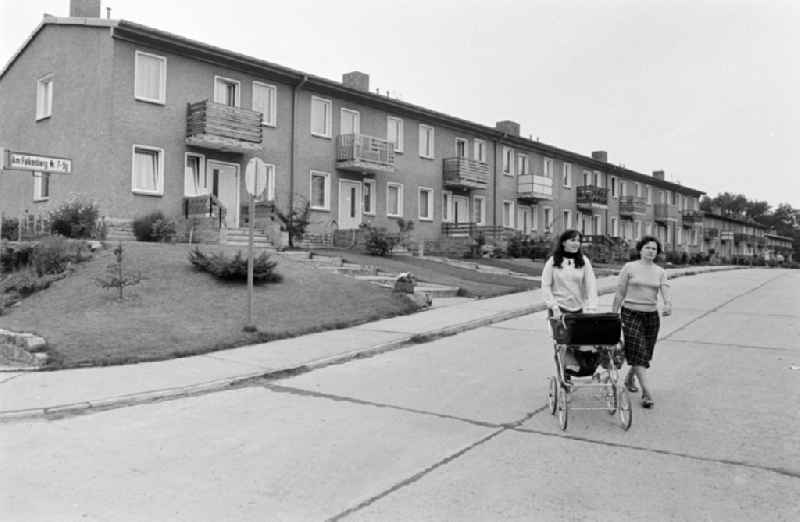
(292,140)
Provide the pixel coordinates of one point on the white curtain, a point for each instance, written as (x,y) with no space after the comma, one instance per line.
(146,170)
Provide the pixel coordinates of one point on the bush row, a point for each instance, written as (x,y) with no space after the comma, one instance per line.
(50,255)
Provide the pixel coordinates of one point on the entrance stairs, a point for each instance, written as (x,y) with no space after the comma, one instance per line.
(239,237)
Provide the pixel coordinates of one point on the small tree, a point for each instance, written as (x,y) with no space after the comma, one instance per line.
(295,220)
(116,277)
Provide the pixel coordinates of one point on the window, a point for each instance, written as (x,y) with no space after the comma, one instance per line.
(508,161)
(425,141)
(44,97)
(264,102)
(147,176)
(587,178)
(596,225)
(479,150)
(394,132)
(566,174)
(320,117)
(320,190)
(649,195)
(269,193)
(522,164)
(41,186)
(623,188)
(598,179)
(548,168)
(226,91)
(479,209)
(637,229)
(614,227)
(508,214)
(679,234)
(649,228)
(195,179)
(461,148)
(548,219)
(368,193)
(150,78)
(637,190)
(349,122)
(425,202)
(613,183)
(447,207)
(566,218)
(394,200)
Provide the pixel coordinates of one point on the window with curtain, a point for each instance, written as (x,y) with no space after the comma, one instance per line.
(264,99)
(44,97)
(394,200)
(41,186)
(147,175)
(320,117)
(319,190)
(195,181)
(150,80)
(394,132)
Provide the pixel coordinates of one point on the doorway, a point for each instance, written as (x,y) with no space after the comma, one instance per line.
(225,186)
(349,204)
(460,210)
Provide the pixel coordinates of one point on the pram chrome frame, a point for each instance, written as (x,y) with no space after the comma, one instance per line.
(606,377)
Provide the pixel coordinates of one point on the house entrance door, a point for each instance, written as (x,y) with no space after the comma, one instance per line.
(460,210)
(349,204)
(225,186)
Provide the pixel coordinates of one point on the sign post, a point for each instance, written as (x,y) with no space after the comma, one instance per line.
(255,180)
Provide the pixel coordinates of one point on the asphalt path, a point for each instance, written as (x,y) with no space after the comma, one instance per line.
(454,429)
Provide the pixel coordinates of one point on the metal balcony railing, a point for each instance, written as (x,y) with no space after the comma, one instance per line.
(590,196)
(692,217)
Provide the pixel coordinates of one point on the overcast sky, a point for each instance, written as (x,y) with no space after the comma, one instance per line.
(708,91)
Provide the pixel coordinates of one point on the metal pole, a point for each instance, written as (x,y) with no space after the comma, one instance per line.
(250,327)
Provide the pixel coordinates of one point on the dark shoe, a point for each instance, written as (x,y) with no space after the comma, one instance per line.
(647,402)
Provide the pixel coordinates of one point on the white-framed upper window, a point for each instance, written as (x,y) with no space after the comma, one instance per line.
(623,189)
(637,189)
(426,141)
(612,181)
(349,121)
(147,172)
(614,227)
(587,178)
(394,132)
(41,186)
(461,148)
(566,174)
(368,195)
(508,161)
(447,206)
(548,168)
(508,214)
(479,150)
(227,91)
(265,102)
(425,204)
(320,190)
(394,199)
(598,179)
(566,218)
(321,124)
(548,219)
(44,97)
(150,77)
(649,194)
(522,164)
(195,182)
(479,210)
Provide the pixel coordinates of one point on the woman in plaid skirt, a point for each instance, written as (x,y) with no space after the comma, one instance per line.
(640,282)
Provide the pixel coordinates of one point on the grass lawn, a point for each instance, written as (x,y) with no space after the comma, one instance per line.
(177,311)
(534,267)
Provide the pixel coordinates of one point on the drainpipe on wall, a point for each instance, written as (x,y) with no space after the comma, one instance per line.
(292,142)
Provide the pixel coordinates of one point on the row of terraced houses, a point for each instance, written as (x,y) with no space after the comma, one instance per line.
(140,120)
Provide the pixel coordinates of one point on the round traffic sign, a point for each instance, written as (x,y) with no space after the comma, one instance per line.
(255,176)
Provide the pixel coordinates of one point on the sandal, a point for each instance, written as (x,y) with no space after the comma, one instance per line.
(647,402)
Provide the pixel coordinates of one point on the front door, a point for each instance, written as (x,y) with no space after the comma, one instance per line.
(460,210)
(524,220)
(349,204)
(225,186)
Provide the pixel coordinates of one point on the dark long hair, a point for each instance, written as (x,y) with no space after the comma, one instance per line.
(558,250)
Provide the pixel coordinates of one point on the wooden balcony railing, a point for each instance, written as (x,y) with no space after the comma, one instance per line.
(465,173)
(632,205)
(473,230)
(365,154)
(692,217)
(533,187)
(663,212)
(589,197)
(217,126)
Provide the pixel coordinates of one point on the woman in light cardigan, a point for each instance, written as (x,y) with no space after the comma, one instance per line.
(640,282)
(569,284)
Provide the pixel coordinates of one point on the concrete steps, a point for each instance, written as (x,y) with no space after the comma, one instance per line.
(239,237)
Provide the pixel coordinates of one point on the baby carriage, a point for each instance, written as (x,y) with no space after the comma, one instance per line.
(594,341)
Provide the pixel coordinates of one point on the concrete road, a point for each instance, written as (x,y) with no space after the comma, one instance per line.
(454,429)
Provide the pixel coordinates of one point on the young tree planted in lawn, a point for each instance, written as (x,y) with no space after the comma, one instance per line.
(116,277)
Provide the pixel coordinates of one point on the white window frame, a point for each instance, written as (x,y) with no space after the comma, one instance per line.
(399,199)
(203,174)
(597,178)
(512,218)
(522,164)
(429,210)
(447,206)
(38,184)
(548,224)
(356,121)
(637,189)
(597,225)
(612,183)
(44,97)
(326,187)
(162,94)
(587,178)
(466,147)
(623,188)
(398,126)
(614,227)
(272,105)
(373,188)
(270,192)
(649,193)
(327,105)
(547,168)
(159,190)
(237,94)
(508,161)
(427,141)
(566,213)
(566,175)
(482,217)
(534,217)
(479,150)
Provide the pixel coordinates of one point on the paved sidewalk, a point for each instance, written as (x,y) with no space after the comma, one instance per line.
(26,395)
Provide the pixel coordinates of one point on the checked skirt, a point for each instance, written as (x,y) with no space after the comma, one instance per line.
(641,331)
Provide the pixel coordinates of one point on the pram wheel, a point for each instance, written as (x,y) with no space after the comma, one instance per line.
(610,392)
(552,395)
(562,408)
(624,409)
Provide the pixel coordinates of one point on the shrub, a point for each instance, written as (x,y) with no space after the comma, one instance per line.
(235,269)
(15,257)
(154,227)
(53,254)
(295,220)
(377,241)
(10,229)
(76,218)
(26,282)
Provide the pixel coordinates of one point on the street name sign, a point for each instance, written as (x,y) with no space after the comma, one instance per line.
(11,160)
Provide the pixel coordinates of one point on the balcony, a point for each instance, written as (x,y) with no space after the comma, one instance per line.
(629,206)
(726,235)
(710,233)
(216,126)
(590,197)
(533,188)
(664,212)
(365,154)
(692,217)
(465,173)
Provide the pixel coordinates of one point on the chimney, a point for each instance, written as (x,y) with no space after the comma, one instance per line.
(509,127)
(84,8)
(658,174)
(600,155)
(356,80)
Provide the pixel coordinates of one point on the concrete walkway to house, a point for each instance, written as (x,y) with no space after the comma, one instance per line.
(49,394)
